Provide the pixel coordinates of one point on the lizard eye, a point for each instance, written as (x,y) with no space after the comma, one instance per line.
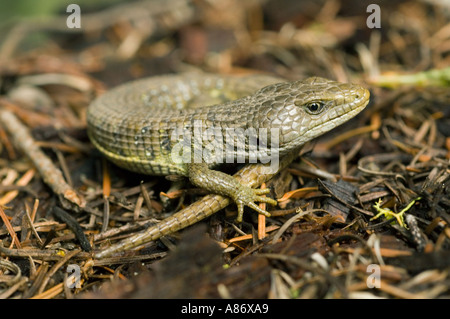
(314,108)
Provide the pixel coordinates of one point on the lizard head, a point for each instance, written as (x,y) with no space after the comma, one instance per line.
(303,110)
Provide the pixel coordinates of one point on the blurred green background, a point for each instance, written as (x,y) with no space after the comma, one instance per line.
(18,9)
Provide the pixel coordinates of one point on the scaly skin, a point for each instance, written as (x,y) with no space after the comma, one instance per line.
(139,126)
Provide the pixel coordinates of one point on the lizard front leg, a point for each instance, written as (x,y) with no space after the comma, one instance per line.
(223,184)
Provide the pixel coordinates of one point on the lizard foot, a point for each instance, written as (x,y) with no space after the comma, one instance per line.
(247,196)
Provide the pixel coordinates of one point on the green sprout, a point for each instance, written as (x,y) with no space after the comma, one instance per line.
(389,214)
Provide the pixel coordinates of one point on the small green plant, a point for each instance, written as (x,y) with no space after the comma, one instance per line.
(389,214)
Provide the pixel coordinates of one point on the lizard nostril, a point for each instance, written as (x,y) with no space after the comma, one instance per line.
(360,94)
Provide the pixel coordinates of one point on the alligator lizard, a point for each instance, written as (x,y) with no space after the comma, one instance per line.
(187,124)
